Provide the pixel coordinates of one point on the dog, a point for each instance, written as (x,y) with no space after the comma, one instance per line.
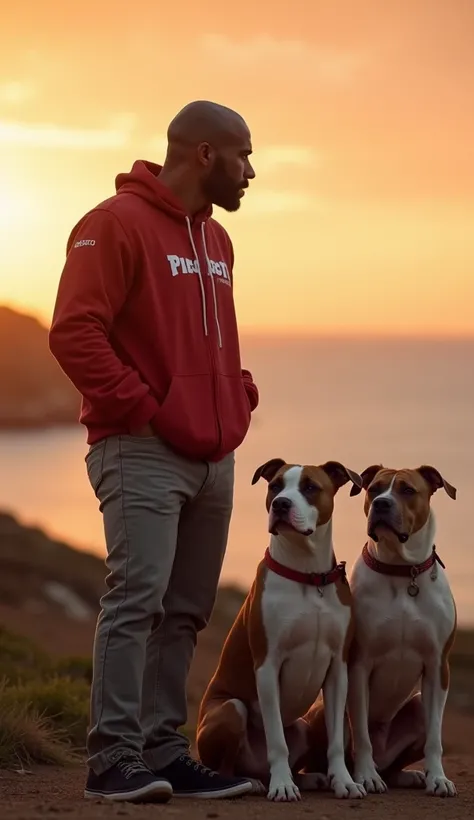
(289,641)
(405,625)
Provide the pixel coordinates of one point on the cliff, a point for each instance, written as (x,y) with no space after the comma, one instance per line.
(34,390)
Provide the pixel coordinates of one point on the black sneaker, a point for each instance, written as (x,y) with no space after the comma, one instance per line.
(128,780)
(189,778)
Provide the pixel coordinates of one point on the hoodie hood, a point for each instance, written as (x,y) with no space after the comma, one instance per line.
(143,181)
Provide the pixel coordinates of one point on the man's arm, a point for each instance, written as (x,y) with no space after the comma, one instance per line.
(249,384)
(94,284)
(251,389)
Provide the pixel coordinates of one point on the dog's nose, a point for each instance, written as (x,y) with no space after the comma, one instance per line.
(382,504)
(281,504)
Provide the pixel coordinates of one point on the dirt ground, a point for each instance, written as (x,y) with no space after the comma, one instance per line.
(58,792)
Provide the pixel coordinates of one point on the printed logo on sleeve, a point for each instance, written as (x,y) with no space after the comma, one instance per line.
(81,242)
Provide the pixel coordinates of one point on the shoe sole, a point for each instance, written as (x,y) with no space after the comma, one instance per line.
(232,791)
(159,792)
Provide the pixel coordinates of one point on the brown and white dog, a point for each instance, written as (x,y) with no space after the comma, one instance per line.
(289,641)
(405,623)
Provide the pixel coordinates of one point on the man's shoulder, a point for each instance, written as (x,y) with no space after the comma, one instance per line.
(121,205)
(111,214)
(115,209)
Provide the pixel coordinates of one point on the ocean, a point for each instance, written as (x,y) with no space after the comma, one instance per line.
(400,403)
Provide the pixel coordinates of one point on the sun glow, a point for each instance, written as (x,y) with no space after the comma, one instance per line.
(16,208)
(360,216)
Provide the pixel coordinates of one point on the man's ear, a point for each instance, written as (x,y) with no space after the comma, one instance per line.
(367,476)
(340,475)
(268,470)
(436,481)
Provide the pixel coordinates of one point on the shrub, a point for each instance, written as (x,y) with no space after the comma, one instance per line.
(26,737)
(44,704)
(62,702)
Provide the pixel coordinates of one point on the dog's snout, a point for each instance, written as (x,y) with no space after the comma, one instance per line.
(382,504)
(281,504)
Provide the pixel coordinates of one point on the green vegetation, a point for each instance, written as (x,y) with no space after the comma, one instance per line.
(43,704)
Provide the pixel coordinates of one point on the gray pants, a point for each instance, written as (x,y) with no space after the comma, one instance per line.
(166,522)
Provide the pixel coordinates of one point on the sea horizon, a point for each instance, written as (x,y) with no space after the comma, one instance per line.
(399,403)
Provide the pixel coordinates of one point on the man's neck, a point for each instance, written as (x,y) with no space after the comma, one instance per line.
(179,184)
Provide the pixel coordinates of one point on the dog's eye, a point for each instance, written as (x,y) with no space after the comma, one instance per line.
(310,487)
(406,490)
(275,486)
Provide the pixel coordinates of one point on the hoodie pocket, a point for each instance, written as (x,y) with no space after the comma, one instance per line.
(187,419)
(234,412)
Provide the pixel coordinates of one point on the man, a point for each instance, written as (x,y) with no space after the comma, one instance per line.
(145,328)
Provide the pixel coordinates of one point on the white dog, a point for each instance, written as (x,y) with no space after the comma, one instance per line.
(289,641)
(405,623)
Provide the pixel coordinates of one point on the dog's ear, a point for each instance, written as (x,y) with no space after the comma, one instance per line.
(268,470)
(436,481)
(367,476)
(340,475)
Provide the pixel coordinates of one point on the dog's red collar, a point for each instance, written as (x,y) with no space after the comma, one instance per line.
(314,579)
(404,570)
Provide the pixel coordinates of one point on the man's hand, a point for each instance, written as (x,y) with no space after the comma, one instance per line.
(144,432)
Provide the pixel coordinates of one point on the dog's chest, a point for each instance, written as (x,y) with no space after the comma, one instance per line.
(299,620)
(390,620)
(304,631)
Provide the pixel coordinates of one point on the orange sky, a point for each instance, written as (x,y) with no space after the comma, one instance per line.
(362,116)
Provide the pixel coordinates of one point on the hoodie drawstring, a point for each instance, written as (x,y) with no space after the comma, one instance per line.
(203,292)
(216,314)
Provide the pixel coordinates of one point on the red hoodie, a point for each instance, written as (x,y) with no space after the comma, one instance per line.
(144,323)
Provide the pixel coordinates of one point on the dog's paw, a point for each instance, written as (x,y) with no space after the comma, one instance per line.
(440,787)
(257,786)
(407,779)
(311,781)
(370,780)
(346,788)
(283,789)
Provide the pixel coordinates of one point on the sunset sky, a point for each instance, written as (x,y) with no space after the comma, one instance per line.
(361,217)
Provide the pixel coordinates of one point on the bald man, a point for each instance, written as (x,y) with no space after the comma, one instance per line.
(145,328)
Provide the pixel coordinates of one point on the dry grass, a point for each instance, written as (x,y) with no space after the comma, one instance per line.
(27,737)
(61,702)
(44,704)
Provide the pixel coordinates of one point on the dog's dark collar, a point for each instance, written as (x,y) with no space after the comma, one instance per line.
(404,570)
(314,579)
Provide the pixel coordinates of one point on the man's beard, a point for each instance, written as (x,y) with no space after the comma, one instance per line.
(220,189)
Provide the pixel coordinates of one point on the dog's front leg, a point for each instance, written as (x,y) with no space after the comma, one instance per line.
(282,785)
(365,772)
(433,696)
(335,697)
